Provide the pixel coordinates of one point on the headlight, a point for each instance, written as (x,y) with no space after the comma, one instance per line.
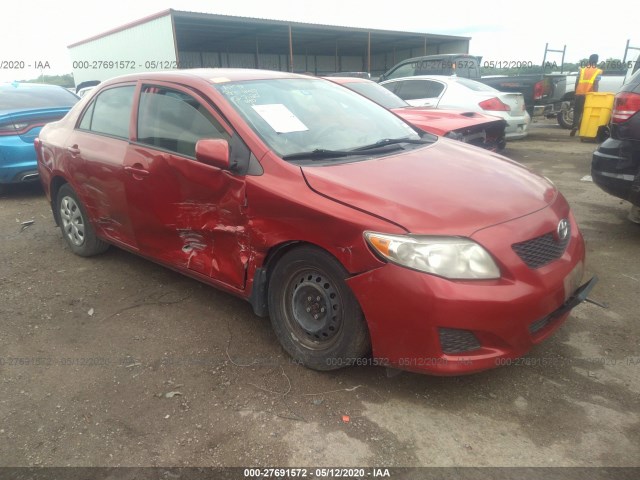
(450,257)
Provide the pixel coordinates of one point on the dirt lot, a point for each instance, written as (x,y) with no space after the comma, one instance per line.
(115,361)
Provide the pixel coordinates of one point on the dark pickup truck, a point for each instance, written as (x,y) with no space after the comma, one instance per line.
(544,94)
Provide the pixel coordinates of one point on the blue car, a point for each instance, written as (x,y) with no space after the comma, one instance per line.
(24,109)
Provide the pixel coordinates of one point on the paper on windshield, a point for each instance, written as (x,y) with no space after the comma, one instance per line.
(280,118)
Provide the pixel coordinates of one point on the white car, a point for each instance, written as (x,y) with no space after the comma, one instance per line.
(451,92)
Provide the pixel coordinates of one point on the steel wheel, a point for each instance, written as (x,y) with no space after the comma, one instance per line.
(565,118)
(314,311)
(72,221)
(314,314)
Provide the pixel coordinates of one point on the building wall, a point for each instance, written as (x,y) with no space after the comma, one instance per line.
(151,46)
(316,64)
(139,48)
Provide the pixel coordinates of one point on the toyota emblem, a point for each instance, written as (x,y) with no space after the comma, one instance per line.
(563,229)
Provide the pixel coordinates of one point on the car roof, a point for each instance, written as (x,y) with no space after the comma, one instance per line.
(209,75)
(448,79)
(344,80)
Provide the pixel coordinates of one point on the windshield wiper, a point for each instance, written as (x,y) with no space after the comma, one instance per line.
(392,141)
(321,153)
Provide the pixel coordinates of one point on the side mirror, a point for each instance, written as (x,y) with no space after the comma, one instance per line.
(214,152)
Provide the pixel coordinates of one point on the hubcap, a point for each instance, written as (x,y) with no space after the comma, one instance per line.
(568,116)
(315,308)
(72,221)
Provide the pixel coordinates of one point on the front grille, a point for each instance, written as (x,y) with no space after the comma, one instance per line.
(453,340)
(542,250)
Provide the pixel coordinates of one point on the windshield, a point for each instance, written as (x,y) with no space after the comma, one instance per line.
(294,115)
(378,94)
(21,97)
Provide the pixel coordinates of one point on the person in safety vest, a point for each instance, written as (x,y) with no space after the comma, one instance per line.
(586,82)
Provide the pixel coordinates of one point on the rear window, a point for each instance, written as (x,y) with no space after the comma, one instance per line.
(29,97)
(475,86)
(635,78)
(377,93)
(418,89)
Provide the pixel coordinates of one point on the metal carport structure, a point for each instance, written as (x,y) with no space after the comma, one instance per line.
(174,38)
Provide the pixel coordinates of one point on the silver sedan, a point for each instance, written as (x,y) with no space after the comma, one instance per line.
(451,92)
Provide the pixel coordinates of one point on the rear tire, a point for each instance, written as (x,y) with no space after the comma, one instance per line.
(565,119)
(314,314)
(74,223)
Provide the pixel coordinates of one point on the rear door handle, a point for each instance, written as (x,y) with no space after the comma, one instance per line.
(136,171)
(73,150)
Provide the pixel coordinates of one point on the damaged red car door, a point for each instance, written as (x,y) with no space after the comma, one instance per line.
(184,212)
(94,153)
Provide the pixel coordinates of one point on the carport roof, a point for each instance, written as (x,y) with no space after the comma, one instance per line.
(198,31)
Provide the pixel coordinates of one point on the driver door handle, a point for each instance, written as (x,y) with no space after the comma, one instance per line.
(137,171)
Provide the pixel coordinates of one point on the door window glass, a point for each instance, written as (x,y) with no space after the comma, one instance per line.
(172,120)
(110,112)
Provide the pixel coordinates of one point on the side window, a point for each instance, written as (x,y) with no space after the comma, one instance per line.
(406,70)
(433,89)
(392,86)
(85,123)
(416,89)
(174,121)
(110,112)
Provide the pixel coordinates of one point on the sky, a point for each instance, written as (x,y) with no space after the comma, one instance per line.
(40,30)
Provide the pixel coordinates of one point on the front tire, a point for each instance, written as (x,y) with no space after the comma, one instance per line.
(74,223)
(314,314)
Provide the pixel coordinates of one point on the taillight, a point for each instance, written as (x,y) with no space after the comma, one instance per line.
(625,106)
(538,90)
(16,128)
(7,129)
(494,104)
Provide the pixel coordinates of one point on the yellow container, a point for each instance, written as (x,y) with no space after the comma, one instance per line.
(597,112)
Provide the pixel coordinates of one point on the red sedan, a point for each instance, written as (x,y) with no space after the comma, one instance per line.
(485,131)
(364,239)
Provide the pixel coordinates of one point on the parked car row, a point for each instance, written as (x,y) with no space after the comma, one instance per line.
(25,108)
(357,233)
(543,94)
(470,127)
(462,93)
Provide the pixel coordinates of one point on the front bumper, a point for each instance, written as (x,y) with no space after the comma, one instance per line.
(615,168)
(429,324)
(517,127)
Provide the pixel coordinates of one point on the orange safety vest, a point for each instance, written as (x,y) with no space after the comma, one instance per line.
(586,80)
